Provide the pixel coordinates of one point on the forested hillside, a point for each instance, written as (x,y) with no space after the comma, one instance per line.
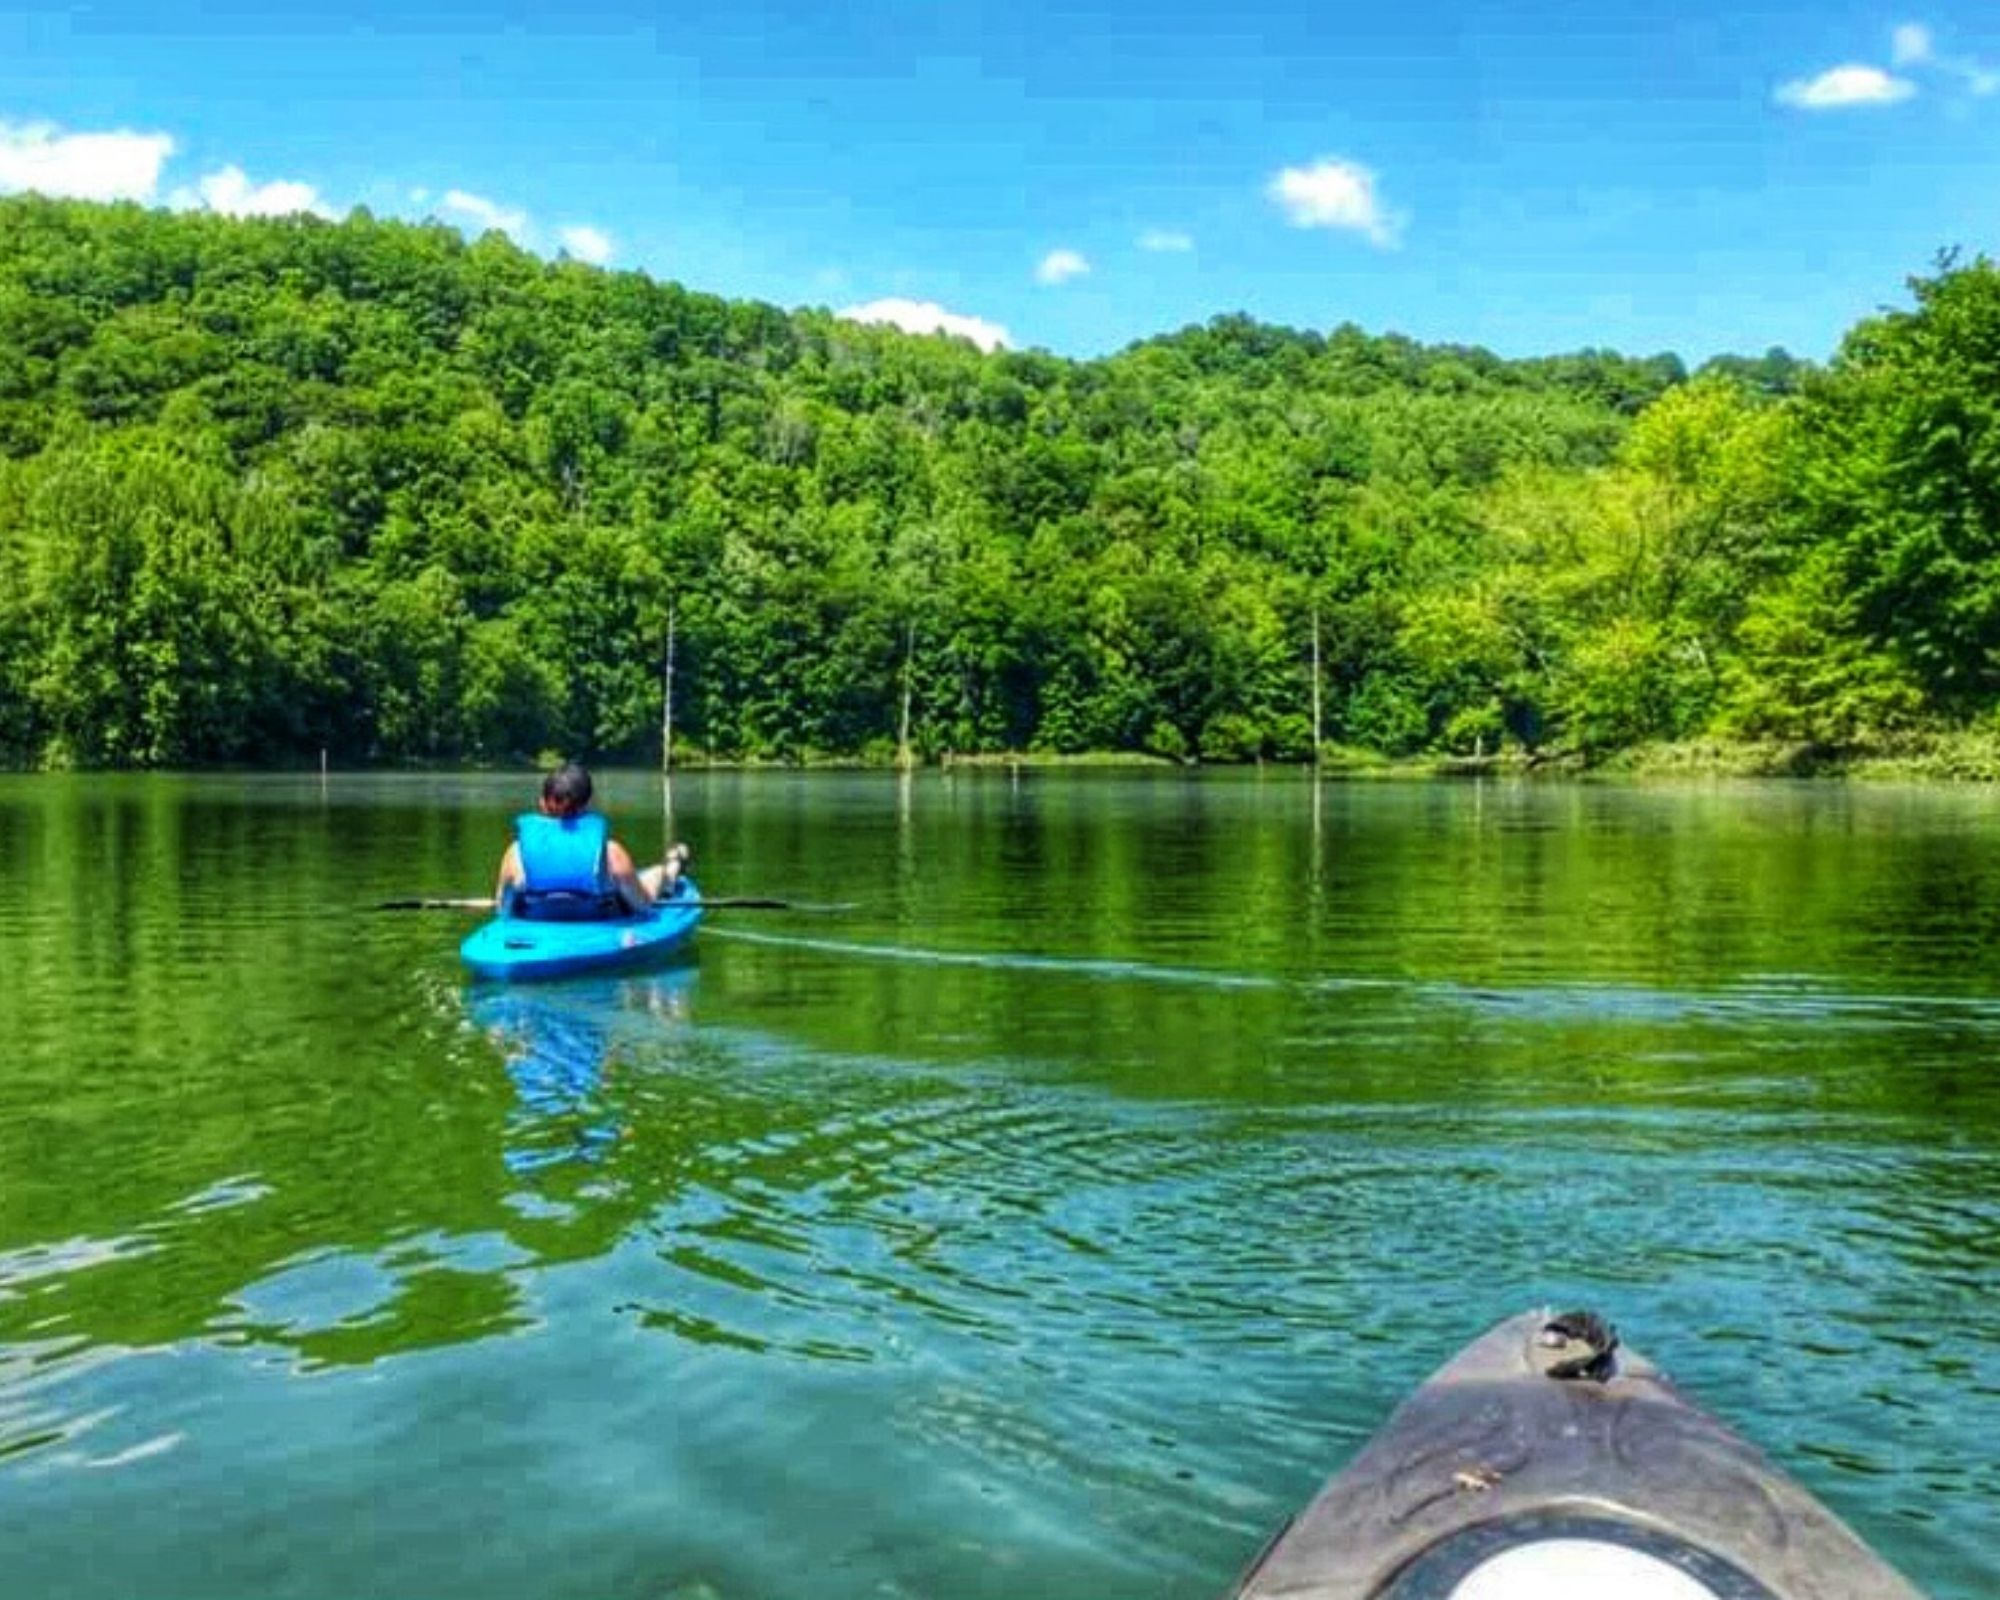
(268,487)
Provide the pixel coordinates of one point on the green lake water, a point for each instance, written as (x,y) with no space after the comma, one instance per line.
(1050,1225)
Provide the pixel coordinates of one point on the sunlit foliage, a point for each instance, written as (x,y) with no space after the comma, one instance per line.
(269,487)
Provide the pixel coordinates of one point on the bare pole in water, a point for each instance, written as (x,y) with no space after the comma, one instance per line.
(903,757)
(1318,737)
(667,738)
(667,700)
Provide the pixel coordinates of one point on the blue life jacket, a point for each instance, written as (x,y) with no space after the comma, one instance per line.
(563,873)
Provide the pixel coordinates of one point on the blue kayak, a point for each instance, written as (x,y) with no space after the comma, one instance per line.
(518,948)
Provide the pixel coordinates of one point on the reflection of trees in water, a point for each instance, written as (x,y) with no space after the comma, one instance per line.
(366,1214)
(577,1190)
(270,1126)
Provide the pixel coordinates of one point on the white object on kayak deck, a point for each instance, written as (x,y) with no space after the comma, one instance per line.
(1578,1569)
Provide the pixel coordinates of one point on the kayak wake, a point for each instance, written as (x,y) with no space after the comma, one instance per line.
(1794,999)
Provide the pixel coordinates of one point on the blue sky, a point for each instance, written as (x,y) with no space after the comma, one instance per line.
(1697,176)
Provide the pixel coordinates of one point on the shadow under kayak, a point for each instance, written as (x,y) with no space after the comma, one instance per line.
(519,948)
(1546,1461)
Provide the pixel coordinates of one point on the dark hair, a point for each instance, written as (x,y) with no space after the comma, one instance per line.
(567,788)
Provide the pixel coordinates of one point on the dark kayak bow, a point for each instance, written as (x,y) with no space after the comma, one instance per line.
(1546,1462)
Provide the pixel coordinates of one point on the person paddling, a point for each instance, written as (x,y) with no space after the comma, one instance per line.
(564,866)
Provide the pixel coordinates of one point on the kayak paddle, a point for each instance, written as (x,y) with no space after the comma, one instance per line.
(726,903)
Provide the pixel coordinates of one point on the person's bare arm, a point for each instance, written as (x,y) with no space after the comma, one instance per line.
(631,887)
(510,874)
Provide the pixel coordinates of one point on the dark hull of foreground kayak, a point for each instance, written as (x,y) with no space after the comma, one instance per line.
(1499,1478)
(517,949)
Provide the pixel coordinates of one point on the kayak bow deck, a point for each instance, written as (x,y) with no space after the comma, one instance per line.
(1545,1462)
(518,948)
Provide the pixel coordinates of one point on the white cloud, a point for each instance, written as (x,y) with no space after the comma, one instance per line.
(1840,87)
(1911,45)
(487,213)
(925,316)
(1333,193)
(1059,266)
(1164,241)
(231,192)
(81,166)
(587,244)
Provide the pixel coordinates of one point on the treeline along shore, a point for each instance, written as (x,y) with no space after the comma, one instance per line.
(273,487)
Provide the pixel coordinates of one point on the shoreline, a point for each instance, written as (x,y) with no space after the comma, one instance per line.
(1966,757)
(1956,757)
